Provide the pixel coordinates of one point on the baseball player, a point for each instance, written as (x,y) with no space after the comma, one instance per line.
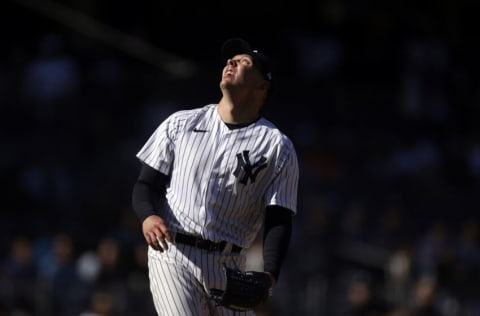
(210,178)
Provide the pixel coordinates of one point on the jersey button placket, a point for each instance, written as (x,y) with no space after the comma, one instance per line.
(213,188)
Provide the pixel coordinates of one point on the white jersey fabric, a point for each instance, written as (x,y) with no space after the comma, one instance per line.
(221,179)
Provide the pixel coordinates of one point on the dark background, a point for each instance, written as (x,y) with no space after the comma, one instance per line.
(380,98)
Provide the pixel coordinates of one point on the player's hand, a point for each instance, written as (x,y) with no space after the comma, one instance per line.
(156,233)
(272,278)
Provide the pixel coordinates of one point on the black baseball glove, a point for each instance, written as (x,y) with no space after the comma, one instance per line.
(245,290)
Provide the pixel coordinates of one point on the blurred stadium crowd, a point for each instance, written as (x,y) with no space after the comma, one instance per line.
(382,104)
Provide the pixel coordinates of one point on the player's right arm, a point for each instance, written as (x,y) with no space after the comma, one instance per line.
(148,192)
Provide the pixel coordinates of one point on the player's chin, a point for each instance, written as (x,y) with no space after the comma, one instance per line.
(226,82)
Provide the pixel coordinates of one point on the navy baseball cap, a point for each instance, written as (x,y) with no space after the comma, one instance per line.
(236,46)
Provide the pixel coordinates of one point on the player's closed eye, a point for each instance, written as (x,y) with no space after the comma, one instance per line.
(243,60)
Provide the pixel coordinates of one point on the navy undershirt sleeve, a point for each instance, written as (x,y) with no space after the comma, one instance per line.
(148,192)
(276,238)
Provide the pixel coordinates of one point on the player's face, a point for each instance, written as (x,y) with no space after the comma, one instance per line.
(240,71)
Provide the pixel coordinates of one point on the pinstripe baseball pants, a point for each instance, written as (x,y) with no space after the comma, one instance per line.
(181,277)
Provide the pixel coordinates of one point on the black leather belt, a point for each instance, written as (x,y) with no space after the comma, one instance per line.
(204,244)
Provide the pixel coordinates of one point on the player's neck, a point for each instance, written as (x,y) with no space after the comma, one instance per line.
(231,113)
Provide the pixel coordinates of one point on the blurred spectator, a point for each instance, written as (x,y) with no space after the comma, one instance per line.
(354,225)
(112,268)
(398,273)
(60,290)
(434,253)
(52,76)
(138,285)
(127,234)
(362,299)
(104,270)
(417,158)
(424,78)
(100,304)
(424,295)
(466,278)
(389,232)
(20,277)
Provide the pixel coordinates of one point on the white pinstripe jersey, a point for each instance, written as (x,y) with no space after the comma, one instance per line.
(221,179)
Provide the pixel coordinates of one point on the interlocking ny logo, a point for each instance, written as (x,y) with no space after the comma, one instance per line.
(249,171)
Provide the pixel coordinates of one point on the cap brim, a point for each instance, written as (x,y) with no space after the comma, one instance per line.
(236,46)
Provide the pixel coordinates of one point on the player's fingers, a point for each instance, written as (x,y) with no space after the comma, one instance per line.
(162,242)
(160,236)
(153,242)
(167,235)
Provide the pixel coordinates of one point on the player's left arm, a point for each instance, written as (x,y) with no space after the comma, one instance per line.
(281,201)
(276,238)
